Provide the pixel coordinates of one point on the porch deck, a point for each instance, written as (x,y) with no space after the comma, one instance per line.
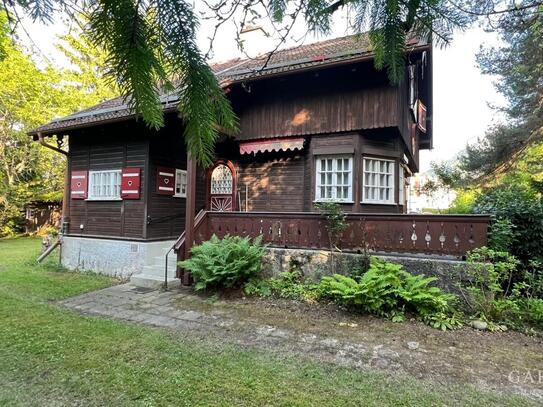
(450,236)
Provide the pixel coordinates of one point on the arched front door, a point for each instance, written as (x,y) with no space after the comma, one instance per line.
(222,187)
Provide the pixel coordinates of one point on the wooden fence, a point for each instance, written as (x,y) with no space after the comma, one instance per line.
(438,235)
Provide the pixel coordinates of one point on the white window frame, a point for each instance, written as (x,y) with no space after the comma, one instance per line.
(334,185)
(116,193)
(178,174)
(392,200)
(401,185)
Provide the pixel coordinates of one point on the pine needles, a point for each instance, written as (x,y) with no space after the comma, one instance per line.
(151,47)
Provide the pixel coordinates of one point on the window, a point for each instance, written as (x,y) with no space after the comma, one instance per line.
(105,185)
(378,181)
(221,180)
(180,184)
(401,185)
(334,179)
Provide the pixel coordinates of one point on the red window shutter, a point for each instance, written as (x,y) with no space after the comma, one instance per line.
(165,181)
(130,183)
(78,185)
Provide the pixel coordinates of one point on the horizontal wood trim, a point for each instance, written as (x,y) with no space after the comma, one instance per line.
(333,150)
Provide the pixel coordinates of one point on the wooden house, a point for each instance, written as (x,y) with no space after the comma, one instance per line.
(317,123)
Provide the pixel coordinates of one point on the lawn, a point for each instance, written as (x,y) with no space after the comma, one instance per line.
(52,356)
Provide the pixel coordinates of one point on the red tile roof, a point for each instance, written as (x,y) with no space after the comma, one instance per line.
(306,56)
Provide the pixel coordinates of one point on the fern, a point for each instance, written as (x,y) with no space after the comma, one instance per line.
(224,263)
(388,290)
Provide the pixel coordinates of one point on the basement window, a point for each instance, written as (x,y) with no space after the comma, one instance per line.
(105,185)
(334,179)
(180,184)
(378,181)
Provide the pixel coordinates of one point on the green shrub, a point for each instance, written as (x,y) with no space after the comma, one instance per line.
(523,208)
(224,263)
(519,313)
(502,235)
(336,224)
(288,285)
(387,290)
(532,280)
(464,201)
(489,294)
(492,270)
(487,277)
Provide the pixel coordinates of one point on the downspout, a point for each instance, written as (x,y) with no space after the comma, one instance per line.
(65,217)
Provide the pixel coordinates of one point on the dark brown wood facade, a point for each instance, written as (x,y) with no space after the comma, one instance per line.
(285,181)
(333,101)
(129,144)
(351,110)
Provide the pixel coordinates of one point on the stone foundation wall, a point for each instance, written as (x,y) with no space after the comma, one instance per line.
(313,264)
(119,258)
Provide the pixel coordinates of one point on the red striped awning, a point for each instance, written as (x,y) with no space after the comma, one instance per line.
(278,144)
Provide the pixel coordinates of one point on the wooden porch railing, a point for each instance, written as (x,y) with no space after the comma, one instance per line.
(438,235)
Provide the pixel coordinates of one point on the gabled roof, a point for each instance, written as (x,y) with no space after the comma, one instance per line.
(281,62)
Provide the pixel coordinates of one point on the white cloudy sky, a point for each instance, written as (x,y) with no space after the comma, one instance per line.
(461,93)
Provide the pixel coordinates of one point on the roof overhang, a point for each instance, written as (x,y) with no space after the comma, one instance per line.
(230,76)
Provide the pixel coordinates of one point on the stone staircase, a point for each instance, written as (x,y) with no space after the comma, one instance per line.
(152,273)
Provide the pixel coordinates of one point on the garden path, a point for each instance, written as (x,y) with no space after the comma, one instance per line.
(505,362)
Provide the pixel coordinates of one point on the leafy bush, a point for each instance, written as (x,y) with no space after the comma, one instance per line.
(387,290)
(502,235)
(336,224)
(490,294)
(487,277)
(492,270)
(523,209)
(224,263)
(464,201)
(288,285)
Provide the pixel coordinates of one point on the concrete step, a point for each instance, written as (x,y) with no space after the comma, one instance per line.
(157,270)
(153,281)
(160,261)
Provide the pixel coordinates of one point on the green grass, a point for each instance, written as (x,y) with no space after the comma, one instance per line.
(51,356)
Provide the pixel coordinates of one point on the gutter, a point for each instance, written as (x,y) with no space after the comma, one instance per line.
(65,217)
(41,140)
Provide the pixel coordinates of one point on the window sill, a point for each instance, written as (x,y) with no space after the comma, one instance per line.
(378,203)
(332,200)
(103,199)
(179,196)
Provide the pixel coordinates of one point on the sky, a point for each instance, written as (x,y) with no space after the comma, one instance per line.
(461,94)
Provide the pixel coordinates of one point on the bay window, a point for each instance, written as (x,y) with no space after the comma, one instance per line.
(378,181)
(334,175)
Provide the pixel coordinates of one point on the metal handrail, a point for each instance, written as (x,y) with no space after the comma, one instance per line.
(178,243)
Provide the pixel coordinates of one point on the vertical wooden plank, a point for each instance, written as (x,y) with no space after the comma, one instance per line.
(189,212)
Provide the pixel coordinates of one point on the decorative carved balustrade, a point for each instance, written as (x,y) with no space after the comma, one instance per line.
(443,235)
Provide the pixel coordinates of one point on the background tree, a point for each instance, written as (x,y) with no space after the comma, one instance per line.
(519,67)
(29,97)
